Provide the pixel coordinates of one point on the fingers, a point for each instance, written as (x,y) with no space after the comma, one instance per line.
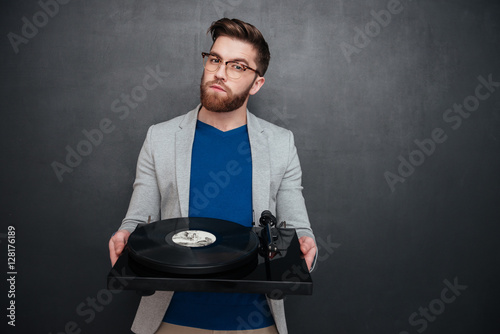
(112,254)
(117,244)
(308,249)
(309,257)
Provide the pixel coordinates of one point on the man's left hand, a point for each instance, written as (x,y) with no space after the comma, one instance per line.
(308,249)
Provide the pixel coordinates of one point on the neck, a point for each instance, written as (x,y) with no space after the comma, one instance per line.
(224,121)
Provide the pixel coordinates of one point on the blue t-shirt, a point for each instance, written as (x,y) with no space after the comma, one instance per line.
(220,187)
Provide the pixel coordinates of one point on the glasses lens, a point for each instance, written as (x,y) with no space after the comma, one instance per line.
(211,63)
(234,70)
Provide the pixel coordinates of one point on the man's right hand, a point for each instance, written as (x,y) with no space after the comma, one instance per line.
(117,244)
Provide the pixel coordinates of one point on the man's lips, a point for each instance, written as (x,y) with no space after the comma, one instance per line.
(217,88)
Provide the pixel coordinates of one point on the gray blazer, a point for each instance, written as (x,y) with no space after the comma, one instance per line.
(161,190)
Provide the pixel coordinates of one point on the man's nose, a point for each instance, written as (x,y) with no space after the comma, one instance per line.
(221,72)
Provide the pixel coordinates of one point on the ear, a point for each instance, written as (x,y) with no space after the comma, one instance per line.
(259,82)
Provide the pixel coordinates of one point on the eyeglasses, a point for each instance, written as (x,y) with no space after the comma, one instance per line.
(234,69)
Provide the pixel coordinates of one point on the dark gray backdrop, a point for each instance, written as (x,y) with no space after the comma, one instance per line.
(377,93)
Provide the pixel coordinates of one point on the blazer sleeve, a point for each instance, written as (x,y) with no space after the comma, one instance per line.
(146,198)
(290,203)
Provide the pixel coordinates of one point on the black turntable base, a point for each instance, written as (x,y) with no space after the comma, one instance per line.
(203,254)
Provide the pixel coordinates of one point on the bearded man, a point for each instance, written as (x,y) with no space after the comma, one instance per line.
(218,161)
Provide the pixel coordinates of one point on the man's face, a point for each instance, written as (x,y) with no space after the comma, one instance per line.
(218,92)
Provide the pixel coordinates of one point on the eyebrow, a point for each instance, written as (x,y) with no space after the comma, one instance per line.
(240,60)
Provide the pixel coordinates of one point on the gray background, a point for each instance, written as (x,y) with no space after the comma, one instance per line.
(384,253)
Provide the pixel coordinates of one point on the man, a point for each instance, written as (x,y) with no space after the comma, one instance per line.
(218,161)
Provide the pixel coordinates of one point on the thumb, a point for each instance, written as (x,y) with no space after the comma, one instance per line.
(119,243)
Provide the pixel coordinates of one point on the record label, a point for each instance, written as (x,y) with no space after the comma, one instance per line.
(194,238)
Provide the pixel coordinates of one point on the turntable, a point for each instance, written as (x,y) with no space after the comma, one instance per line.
(212,255)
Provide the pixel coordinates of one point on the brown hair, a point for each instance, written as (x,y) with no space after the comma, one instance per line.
(245,32)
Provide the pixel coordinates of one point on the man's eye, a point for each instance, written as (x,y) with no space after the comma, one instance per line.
(214,60)
(237,67)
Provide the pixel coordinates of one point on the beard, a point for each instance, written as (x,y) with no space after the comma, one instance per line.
(217,102)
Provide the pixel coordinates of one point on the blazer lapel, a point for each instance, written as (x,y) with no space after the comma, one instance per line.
(261,168)
(184,139)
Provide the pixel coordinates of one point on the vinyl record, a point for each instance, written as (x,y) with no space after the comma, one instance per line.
(193,246)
